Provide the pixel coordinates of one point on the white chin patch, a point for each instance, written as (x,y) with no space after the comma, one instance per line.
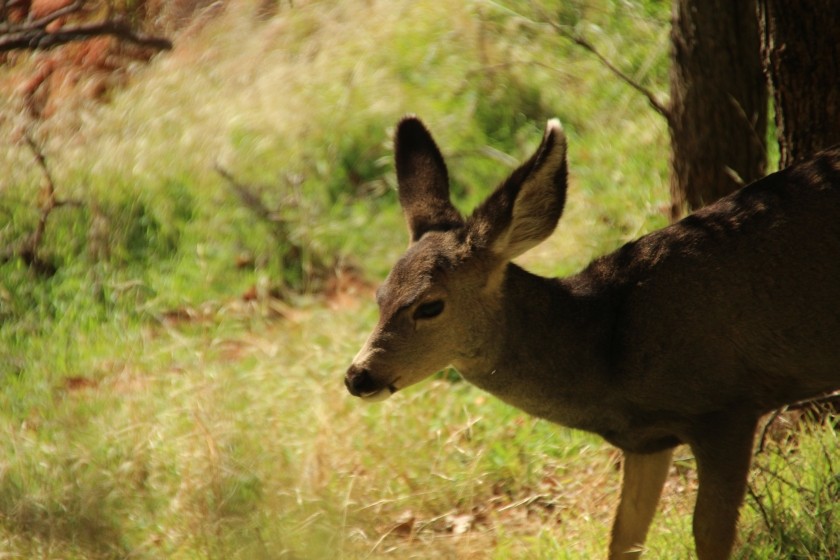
(380,395)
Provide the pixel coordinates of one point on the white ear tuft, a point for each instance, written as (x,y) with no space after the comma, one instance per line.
(554,125)
(525,209)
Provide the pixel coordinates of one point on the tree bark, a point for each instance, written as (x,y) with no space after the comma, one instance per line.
(718,113)
(799,43)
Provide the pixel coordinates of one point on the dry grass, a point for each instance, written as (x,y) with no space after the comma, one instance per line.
(165,407)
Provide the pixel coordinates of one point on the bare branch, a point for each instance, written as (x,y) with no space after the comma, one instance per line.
(280,228)
(579,40)
(247,195)
(49,18)
(31,246)
(757,499)
(827,400)
(37,37)
(762,440)
(28,250)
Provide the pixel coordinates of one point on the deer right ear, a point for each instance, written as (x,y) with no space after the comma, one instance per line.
(423,181)
(525,209)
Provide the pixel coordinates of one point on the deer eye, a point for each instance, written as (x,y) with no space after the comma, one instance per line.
(429,309)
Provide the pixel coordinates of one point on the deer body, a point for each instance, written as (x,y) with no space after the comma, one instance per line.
(686,335)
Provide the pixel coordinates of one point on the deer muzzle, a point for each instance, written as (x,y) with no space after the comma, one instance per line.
(362,383)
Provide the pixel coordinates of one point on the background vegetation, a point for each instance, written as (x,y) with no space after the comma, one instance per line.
(174,389)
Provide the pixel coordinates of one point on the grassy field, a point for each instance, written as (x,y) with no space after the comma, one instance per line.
(175,389)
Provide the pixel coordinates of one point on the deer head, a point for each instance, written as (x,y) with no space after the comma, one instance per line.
(440,304)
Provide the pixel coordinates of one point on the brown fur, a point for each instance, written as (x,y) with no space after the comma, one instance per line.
(686,335)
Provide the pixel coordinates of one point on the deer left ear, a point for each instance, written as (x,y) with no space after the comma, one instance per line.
(423,181)
(525,209)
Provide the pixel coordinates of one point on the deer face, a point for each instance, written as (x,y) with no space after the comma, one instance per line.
(434,308)
(440,303)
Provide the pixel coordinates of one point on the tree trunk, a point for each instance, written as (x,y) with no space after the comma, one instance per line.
(799,43)
(718,113)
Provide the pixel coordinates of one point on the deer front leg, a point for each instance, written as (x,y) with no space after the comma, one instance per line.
(641,485)
(723,456)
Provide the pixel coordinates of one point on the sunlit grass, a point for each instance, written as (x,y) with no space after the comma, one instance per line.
(150,410)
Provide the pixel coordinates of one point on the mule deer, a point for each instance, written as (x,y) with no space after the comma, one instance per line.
(686,335)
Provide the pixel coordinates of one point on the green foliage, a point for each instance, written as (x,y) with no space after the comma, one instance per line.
(149,410)
(795,496)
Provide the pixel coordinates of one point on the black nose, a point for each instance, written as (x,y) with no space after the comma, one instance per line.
(359,381)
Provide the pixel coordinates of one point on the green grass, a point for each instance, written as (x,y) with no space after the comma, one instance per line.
(149,410)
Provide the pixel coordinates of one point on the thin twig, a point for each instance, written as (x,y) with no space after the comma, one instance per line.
(757,499)
(776,476)
(577,39)
(251,199)
(814,401)
(827,455)
(763,439)
(832,397)
(49,202)
(29,251)
(247,195)
(51,17)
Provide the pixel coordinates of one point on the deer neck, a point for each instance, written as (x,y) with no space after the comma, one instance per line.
(546,349)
